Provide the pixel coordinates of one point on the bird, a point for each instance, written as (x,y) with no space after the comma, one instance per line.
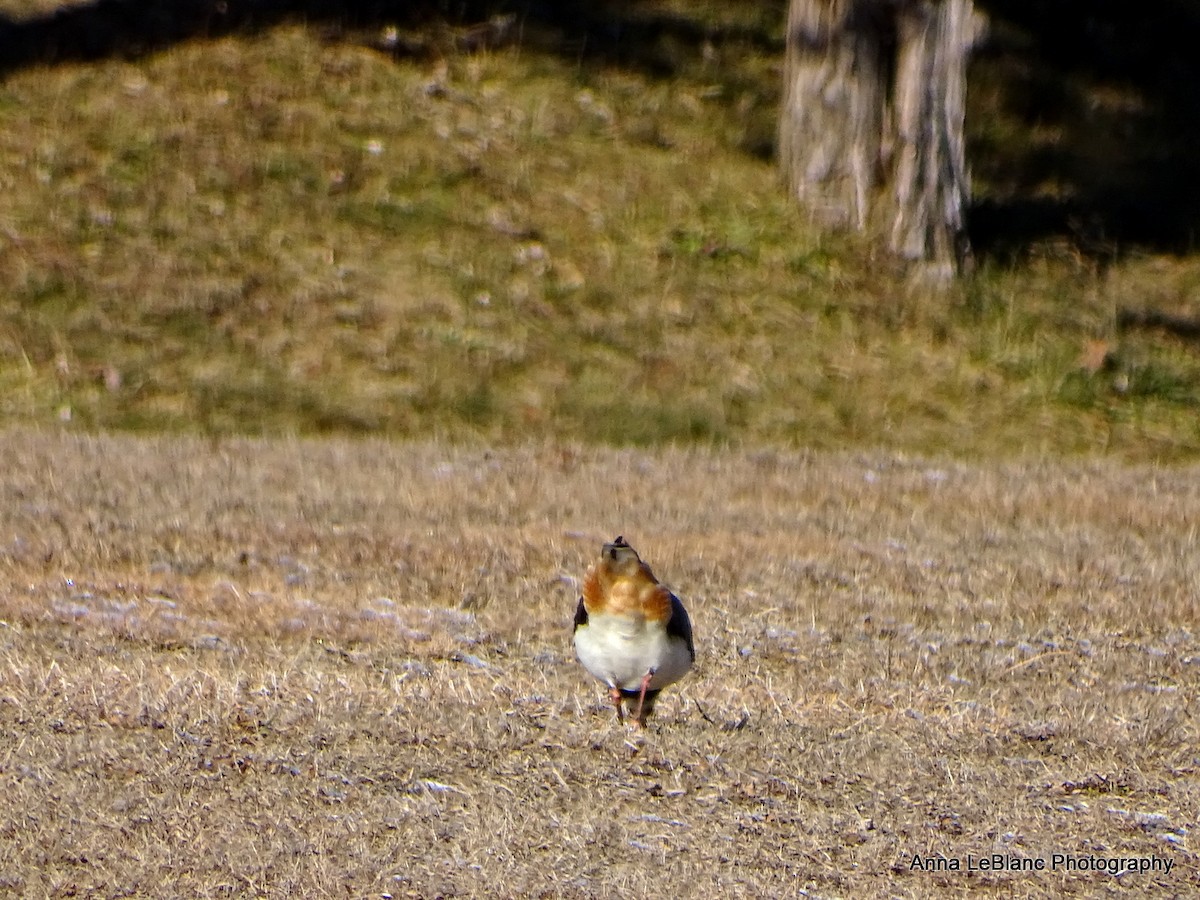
(631,632)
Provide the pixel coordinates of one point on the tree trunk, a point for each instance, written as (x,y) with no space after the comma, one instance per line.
(930,186)
(871,131)
(830,125)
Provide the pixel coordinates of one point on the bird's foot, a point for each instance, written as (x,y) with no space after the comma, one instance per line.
(614,694)
(640,718)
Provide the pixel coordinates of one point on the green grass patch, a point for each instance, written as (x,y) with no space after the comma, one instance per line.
(275,233)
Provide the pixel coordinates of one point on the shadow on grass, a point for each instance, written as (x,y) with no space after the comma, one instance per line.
(1103,119)
(614,32)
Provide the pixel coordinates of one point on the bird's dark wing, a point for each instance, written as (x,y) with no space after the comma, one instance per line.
(679,625)
(580,614)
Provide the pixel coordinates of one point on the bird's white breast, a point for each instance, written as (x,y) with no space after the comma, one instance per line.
(620,650)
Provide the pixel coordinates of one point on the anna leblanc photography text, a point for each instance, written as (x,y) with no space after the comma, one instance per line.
(1056,862)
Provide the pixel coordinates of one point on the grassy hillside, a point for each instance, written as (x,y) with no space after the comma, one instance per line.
(287,230)
(342,668)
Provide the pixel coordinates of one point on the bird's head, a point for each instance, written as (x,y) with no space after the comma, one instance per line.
(619,558)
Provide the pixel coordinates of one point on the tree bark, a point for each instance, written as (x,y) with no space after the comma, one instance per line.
(871,131)
(929,179)
(830,125)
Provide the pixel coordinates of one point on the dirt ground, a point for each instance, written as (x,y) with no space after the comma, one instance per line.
(343,668)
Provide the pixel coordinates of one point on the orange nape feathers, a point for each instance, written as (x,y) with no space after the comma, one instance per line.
(625,585)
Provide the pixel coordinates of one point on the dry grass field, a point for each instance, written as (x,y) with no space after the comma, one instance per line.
(342,668)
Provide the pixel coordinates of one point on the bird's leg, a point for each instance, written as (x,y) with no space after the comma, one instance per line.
(641,718)
(614,694)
